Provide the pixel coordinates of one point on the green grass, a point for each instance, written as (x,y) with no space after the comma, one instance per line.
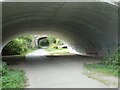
(102,72)
(103,68)
(110,80)
(109,66)
(12,78)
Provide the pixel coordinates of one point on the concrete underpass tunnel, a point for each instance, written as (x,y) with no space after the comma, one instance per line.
(89,28)
(41,41)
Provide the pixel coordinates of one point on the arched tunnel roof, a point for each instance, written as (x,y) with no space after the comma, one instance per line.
(88,27)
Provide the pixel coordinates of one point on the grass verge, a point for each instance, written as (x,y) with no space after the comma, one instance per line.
(12,78)
(103,73)
(103,68)
(108,71)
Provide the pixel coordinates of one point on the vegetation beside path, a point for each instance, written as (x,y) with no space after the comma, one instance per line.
(107,71)
(19,46)
(11,78)
(56,47)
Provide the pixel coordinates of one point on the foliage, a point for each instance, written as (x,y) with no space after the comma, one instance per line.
(12,78)
(110,65)
(51,39)
(113,60)
(59,42)
(54,46)
(103,68)
(23,44)
(14,47)
(27,40)
(54,43)
(54,40)
(18,46)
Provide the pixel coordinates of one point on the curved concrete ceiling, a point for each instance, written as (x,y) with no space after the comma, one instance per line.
(88,27)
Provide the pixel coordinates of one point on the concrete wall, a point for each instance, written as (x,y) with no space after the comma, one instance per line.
(88,27)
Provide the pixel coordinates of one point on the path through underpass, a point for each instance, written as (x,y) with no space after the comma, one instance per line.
(58,71)
(39,52)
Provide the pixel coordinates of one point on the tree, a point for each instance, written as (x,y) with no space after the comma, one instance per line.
(18,46)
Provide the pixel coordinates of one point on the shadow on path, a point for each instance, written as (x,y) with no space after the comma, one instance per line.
(56,71)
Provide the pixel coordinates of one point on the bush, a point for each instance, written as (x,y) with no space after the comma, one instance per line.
(14,47)
(114,59)
(18,46)
(51,39)
(53,46)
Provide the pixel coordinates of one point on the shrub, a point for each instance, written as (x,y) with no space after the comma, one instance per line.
(14,47)
(18,46)
(114,59)
(53,46)
(51,39)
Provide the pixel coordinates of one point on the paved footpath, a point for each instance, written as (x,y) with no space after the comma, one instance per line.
(58,72)
(39,52)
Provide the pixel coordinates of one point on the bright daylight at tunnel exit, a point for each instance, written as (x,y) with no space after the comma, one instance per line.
(37,45)
(60,45)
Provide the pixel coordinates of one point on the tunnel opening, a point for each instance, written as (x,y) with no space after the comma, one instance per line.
(26,44)
(75,44)
(43,42)
(89,28)
(86,28)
